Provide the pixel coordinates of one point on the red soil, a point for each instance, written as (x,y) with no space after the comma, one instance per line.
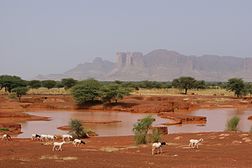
(220,150)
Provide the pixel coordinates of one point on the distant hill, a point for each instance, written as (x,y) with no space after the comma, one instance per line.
(160,65)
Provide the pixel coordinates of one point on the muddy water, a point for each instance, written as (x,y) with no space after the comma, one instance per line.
(216,121)
(58,119)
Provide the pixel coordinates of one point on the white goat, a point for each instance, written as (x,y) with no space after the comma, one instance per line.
(157,146)
(43,137)
(58,146)
(51,137)
(6,137)
(35,137)
(69,137)
(77,142)
(195,143)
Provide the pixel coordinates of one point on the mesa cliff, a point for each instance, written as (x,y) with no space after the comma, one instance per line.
(160,65)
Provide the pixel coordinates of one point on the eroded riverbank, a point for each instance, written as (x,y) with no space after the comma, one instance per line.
(172,107)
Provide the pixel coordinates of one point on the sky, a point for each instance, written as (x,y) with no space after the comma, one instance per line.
(53,36)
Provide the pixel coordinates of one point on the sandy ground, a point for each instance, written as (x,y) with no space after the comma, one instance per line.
(224,150)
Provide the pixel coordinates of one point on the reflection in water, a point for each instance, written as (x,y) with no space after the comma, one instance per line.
(216,121)
(62,118)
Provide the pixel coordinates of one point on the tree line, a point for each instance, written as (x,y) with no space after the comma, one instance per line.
(91,90)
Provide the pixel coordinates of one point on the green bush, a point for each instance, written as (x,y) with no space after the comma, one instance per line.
(86,91)
(156,135)
(4,129)
(76,129)
(12,96)
(141,129)
(232,124)
(20,91)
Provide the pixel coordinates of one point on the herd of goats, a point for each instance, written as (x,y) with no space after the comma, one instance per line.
(156,146)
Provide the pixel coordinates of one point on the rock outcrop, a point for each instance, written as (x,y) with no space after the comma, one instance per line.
(161,65)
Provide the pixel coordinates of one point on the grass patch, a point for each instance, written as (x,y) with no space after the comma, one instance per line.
(4,129)
(232,124)
(173,91)
(42,90)
(156,135)
(141,129)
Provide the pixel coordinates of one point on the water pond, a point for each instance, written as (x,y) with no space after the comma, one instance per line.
(216,121)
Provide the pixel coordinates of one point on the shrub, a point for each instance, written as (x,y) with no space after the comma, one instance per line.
(156,135)
(86,91)
(232,124)
(4,129)
(141,129)
(76,129)
(20,91)
(12,96)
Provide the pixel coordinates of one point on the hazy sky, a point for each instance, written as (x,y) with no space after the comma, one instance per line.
(52,36)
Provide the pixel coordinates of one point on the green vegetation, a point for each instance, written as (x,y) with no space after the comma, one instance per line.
(20,91)
(4,129)
(184,83)
(237,86)
(35,84)
(232,124)
(12,95)
(141,129)
(48,84)
(86,91)
(156,135)
(113,92)
(91,91)
(10,82)
(68,82)
(76,129)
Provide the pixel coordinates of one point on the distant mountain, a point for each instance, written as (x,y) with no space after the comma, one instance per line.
(96,69)
(160,65)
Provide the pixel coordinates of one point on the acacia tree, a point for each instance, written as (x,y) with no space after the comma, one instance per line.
(34,84)
(86,91)
(236,85)
(9,82)
(68,82)
(184,83)
(113,92)
(49,84)
(20,91)
(201,84)
(248,89)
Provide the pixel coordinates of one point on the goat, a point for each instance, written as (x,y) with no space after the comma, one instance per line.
(35,136)
(43,137)
(195,143)
(6,137)
(51,137)
(69,137)
(58,145)
(77,142)
(157,146)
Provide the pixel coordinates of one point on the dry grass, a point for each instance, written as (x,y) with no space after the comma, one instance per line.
(170,91)
(173,91)
(2,91)
(53,91)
